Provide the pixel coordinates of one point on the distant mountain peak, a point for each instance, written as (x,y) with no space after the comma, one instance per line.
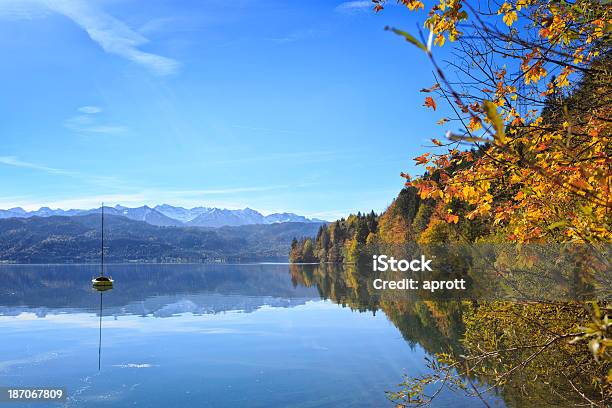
(166,215)
(17,210)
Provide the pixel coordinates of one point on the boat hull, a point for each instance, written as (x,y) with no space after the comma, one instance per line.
(96,282)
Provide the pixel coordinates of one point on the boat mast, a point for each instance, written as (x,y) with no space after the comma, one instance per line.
(102,248)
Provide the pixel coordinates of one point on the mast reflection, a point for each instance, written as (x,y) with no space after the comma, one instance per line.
(101,289)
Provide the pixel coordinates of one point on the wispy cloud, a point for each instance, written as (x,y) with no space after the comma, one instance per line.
(22,10)
(90,109)
(16,162)
(296,36)
(110,33)
(354,6)
(87,122)
(97,180)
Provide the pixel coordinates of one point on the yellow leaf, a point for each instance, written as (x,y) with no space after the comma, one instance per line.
(510,17)
(439,40)
(475,123)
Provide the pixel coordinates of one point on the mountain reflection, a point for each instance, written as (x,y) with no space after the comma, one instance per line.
(155,290)
(443,327)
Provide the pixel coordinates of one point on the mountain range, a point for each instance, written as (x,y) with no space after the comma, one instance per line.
(165,215)
(76,239)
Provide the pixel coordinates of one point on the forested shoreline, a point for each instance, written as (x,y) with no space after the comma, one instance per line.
(526,160)
(60,239)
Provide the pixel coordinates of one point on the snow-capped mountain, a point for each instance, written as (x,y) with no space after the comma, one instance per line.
(180,213)
(217,217)
(288,217)
(168,216)
(19,212)
(13,212)
(146,214)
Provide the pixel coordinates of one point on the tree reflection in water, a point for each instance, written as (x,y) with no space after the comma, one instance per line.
(529,352)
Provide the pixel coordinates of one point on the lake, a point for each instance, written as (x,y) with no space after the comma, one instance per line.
(259,335)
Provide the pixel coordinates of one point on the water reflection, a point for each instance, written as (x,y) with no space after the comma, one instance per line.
(323,329)
(435,326)
(477,340)
(101,290)
(159,290)
(212,335)
(194,335)
(492,271)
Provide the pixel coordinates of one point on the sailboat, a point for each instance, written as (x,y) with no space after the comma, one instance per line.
(102,281)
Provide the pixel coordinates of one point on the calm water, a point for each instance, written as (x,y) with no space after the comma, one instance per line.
(202,335)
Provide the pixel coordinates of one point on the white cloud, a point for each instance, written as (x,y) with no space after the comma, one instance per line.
(110,33)
(90,109)
(16,162)
(84,124)
(88,123)
(297,35)
(97,180)
(354,6)
(22,10)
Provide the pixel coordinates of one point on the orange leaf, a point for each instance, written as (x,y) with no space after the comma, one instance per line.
(452,218)
(405,175)
(422,159)
(436,142)
(430,103)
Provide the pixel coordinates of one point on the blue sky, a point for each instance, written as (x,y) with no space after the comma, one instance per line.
(302,106)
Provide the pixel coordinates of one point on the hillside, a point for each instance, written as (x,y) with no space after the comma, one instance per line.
(346,240)
(76,239)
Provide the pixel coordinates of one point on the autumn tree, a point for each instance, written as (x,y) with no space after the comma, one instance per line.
(527,156)
(530,86)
